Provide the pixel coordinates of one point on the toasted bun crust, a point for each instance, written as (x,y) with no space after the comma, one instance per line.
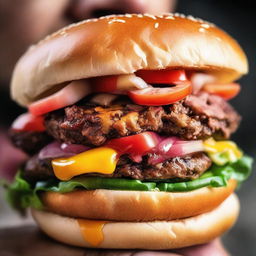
(146,235)
(136,205)
(123,44)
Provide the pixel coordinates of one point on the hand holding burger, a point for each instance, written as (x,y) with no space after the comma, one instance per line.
(128,128)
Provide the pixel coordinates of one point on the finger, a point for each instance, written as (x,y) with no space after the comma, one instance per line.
(10,158)
(214,248)
(92,252)
(148,253)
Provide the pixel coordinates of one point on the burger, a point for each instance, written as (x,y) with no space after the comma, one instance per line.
(128,131)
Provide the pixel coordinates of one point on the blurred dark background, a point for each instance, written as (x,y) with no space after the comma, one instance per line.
(234,16)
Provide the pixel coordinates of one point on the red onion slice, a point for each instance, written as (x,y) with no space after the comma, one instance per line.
(57,150)
(166,148)
(156,159)
(173,147)
(166,145)
(68,95)
(182,148)
(73,148)
(198,80)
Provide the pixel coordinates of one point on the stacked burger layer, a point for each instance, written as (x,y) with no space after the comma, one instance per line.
(128,130)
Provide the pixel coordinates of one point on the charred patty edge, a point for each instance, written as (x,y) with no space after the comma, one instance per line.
(187,167)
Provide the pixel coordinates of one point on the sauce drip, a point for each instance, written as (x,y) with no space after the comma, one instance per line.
(92,231)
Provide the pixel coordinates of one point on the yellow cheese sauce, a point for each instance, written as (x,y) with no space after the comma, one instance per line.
(212,146)
(99,160)
(222,152)
(92,231)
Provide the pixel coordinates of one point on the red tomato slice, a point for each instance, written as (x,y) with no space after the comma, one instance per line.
(137,144)
(28,122)
(68,95)
(162,76)
(226,91)
(161,96)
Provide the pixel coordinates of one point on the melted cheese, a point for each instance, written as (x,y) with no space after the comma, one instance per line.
(213,146)
(92,231)
(107,116)
(99,160)
(227,149)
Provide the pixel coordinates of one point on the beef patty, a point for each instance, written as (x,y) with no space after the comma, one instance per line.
(30,141)
(196,117)
(187,167)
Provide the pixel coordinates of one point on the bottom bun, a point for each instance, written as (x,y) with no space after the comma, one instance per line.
(141,235)
(114,205)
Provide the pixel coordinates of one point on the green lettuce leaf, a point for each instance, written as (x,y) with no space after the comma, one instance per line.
(21,194)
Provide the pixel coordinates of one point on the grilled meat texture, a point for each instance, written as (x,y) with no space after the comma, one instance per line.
(196,117)
(187,167)
(30,141)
